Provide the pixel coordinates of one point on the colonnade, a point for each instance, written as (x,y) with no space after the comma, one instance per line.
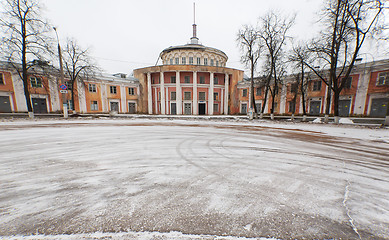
(179,100)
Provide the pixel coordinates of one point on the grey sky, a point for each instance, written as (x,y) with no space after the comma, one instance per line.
(129,34)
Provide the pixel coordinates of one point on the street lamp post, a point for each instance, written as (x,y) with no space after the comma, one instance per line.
(62,78)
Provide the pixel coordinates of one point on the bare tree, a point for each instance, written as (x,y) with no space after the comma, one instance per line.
(78,65)
(25,40)
(350,23)
(300,56)
(249,43)
(272,31)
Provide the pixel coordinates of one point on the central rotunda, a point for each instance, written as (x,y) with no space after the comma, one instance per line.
(192,80)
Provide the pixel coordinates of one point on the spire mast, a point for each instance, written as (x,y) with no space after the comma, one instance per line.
(194,39)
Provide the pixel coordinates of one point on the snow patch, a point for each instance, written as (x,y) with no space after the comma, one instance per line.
(129,236)
(346,121)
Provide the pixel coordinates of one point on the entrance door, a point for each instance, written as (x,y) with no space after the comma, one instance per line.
(5,104)
(314,108)
(173,108)
(131,108)
(344,108)
(243,108)
(202,108)
(114,106)
(39,105)
(379,107)
(187,108)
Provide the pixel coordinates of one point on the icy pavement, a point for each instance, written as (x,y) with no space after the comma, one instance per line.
(200,179)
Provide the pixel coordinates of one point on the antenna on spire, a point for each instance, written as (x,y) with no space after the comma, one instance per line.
(194,13)
(194,39)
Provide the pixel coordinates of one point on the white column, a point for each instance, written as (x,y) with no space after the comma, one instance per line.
(104,99)
(167,100)
(210,97)
(156,101)
(123,98)
(362,89)
(195,101)
(283,98)
(162,90)
(149,94)
(250,97)
(178,94)
(221,101)
(226,92)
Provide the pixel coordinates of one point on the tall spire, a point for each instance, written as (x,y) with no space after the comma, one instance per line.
(194,39)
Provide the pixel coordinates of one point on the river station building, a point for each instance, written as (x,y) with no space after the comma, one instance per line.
(192,80)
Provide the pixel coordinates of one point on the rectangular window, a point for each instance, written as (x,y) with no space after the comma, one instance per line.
(171,61)
(173,96)
(183,60)
(216,107)
(347,83)
(215,80)
(205,61)
(94,106)
(216,96)
(244,93)
(258,91)
(177,61)
(159,96)
(202,80)
(36,82)
(202,96)
(92,87)
(112,89)
(173,79)
(383,79)
(198,61)
(69,85)
(187,79)
(187,96)
(191,60)
(211,62)
(131,91)
(292,106)
(1,79)
(217,63)
(294,88)
(316,86)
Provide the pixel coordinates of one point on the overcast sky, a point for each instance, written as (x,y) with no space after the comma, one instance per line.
(129,34)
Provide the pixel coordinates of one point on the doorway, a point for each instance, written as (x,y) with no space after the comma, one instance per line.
(173,108)
(202,108)
(344,108)
(379,107)
(187,108)
(131,108)
(5,104)
(114,106)
(314,108)
(39,105)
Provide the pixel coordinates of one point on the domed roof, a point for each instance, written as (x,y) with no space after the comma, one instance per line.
(196,47)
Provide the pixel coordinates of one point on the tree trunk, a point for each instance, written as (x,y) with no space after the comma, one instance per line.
(25,76)
(328,102)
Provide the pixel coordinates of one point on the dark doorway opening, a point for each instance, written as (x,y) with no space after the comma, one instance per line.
(202,108)
(39,105)
(5,104)
(173,109)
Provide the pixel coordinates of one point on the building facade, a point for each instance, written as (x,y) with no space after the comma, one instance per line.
(99,94)
(192,80)
(366,93)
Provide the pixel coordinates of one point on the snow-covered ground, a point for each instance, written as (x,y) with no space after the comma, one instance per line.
(192,179)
